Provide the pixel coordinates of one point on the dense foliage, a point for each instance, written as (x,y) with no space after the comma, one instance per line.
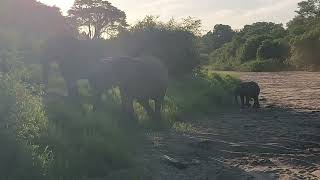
(266,46)
(23,123)
(304,32)
(260,41)
(48,135)
(174,43)
(96,18)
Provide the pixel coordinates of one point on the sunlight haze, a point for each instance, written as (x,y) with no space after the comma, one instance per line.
(233,12)
(159,89)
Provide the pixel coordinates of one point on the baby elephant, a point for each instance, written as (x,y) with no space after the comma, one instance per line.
(248,90)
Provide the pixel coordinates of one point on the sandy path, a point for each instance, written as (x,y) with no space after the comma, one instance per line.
(281,141)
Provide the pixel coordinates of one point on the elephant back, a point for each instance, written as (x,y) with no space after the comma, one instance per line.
(140,77)
(248,88)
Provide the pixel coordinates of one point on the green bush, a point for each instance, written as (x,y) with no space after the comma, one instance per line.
(201,93)
(251,46)
(273,49)
(88,145)
(64,142)
(22,124)
(305,51)
(222,66)
(155,38)
(270,65)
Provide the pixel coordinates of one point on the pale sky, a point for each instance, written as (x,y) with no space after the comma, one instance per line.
(236,13)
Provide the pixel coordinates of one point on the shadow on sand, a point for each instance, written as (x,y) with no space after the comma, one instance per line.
(269,143)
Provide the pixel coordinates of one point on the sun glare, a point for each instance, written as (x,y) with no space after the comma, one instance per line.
(64,5)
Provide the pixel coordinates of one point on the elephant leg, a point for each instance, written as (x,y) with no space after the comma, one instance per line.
(248,98)
(145,103)
(129,119)
(73,94)
(97,93)
(97,103)
(256,102)
(127,105)
(72,89)
(242,101)
(158,107)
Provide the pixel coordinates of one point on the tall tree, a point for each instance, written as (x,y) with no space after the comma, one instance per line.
(305,36)
(309,8)
(173,42)
(31,18)
(215,39)
(96,18)
(308,17)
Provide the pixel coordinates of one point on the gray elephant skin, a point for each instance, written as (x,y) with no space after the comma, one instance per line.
(138,79)
(248,91)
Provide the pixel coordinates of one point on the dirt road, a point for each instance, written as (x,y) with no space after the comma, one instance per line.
(279,141)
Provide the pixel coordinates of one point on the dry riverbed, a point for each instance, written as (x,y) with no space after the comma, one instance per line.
(279,141)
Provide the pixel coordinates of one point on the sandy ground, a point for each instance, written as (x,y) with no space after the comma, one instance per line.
(279,141)
(297,90)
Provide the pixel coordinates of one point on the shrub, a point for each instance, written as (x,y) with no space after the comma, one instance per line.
(171,42)
(22,124)
(273,49)
(91,144)
(63,142)
(201,93)
(251,46)
(270,65)
(305,51)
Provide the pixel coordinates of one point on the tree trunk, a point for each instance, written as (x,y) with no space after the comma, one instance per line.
(90,32)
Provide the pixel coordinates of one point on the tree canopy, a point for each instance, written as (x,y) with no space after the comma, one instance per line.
(56,138)
(309,8)
(181,44)
(31,17)
(261,40)
(304,36)
(175,43)
(96,18)
(216,38)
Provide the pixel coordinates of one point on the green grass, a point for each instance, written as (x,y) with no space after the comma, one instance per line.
(23,123)
(62,140)
(184,127)
(89,145)
(203,93)
(59,140)
(269,65)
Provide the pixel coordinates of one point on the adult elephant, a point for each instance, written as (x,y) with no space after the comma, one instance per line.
(75,58)
(138,78)
(141,78)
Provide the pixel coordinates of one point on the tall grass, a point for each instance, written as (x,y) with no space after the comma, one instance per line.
(23,123)
(201,93)
(62,140)
(89,145)
(59,140)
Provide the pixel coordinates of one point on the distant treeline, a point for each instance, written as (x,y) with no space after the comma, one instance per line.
(27,25)
(50,134)
(266,46)
(32,32)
